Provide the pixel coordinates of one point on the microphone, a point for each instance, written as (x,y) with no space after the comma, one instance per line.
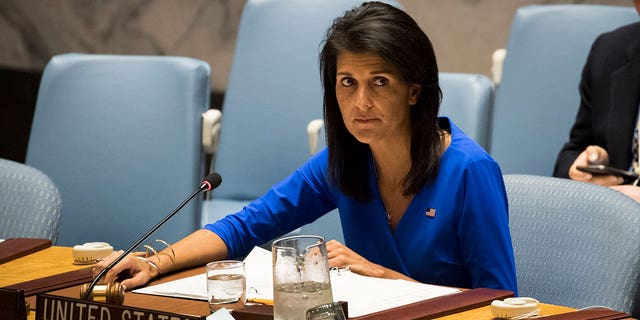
(212,181)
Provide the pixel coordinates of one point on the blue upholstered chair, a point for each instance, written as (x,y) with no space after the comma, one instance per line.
(121,137)
(575,244)
(274,91)
(467,99)
(30,203)
(537,100)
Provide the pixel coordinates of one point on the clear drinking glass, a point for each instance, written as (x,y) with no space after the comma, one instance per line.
(327,311)
(226,284)
(300,276)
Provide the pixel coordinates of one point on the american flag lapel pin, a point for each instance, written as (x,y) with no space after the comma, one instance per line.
(431,213)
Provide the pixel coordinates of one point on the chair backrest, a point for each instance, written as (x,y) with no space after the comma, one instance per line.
(30,203)
(538,98)
(575,244)
(121,137)
(467,99)
(274,91)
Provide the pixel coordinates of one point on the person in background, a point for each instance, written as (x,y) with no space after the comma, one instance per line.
(418,199)
(606,126)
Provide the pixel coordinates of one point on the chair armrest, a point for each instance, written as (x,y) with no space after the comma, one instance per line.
(211,130)
(313,130)
(497,60)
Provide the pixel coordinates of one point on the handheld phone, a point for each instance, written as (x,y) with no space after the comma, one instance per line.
(606,170)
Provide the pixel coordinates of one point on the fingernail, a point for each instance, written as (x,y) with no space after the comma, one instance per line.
(593,157)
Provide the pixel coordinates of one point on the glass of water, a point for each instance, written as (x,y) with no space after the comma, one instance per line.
(300,276)
(226,284)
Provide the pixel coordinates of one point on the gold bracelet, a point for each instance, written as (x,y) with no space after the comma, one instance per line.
(147,255)
(173,253)
(151,263)
(149,248)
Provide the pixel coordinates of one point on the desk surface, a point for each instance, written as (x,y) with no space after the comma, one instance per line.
(56,260)
(44,263)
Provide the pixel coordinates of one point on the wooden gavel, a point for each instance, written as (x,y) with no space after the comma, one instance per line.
(111,293)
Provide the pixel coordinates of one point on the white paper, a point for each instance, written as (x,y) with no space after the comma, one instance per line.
(194,287)
(367,295)
(364,295)
(221,314)
(257,273)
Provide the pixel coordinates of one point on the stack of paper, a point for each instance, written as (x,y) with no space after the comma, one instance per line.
(365,295)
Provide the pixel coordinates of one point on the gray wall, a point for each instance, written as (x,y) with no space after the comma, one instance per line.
(464,32)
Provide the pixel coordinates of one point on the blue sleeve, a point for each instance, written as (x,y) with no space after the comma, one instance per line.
(484,228)
(299,199)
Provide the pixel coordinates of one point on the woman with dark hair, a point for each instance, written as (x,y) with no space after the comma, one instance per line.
(418,199)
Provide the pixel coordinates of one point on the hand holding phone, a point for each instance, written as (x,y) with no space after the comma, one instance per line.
(600,169)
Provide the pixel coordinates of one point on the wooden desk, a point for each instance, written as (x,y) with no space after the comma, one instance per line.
(44,263)
(484,313)
(56,260)
(160,303)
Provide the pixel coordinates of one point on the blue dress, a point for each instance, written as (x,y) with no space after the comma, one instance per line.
(455,231)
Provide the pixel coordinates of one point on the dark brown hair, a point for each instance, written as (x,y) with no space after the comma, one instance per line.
(391,34)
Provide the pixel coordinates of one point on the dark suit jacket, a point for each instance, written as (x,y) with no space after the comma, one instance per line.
(609,97)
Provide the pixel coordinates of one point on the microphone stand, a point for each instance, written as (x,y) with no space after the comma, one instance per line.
(206,185)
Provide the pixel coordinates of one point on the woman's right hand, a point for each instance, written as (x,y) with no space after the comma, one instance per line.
(593,155)
(196,249)
(131,272)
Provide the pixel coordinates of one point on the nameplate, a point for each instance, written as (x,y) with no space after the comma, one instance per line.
(50,307)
